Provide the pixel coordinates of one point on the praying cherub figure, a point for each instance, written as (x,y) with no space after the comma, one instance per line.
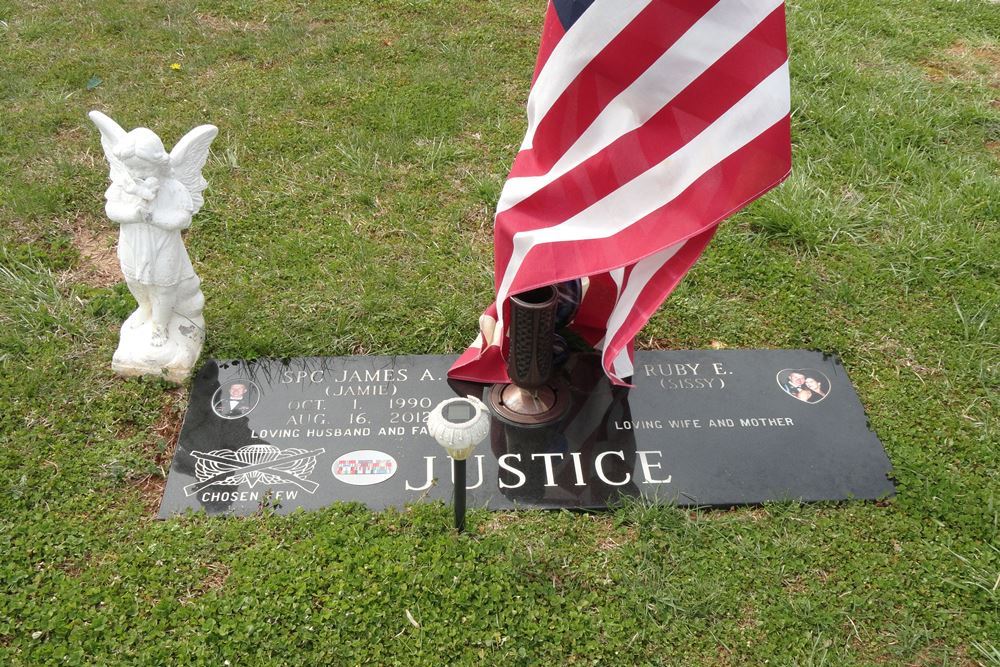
(152,197)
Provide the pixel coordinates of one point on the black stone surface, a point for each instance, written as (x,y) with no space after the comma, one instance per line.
(710,428)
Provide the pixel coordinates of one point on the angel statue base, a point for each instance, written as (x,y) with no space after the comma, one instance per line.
(152,197)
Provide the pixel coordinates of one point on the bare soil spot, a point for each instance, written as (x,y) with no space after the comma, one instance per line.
(72,568)
(794,585)
(215,578)
(723,655)
(757,514)
(657,343)
(748,619)
(68,133)
(902,358)
(936,72)
(800,582)
(733,513)
(611,537)
(932,655)
(614,542)
(218,24)
(318,25)
(160,447)
(168,428)
(99,266)
(151,492)
(966,62)
(498,521)
(988,55)
(476,226)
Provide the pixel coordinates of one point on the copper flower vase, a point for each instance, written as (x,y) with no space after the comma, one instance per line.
(532,398)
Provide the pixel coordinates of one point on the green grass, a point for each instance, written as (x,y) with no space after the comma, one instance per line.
(362,148)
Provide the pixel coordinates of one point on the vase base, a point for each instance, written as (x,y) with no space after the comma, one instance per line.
(529,407)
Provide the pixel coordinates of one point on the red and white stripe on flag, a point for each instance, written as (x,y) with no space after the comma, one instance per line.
(649,122)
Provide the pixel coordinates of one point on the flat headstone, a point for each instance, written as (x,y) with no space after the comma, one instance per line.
(706,428)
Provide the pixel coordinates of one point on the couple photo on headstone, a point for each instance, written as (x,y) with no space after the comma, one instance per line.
(807,385)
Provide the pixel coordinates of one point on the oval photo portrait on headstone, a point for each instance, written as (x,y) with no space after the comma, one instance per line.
(804,384)
(235,399)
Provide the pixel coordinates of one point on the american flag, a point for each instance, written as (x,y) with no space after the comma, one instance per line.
(649,122)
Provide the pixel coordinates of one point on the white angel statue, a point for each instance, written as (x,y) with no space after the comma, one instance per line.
(153,196)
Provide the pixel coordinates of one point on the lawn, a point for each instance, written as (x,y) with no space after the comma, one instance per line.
(362,148)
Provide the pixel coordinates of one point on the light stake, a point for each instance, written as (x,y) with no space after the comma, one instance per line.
(459,424)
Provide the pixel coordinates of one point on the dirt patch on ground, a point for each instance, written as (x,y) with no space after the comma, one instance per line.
(617,539)
(215,578)
(510,520)
(497,522)
(217,24)
(933,654)
(966,62)
(150,490)
(168,428)
(748,619)
(160,447)
(98,265)
(657,343)
(734,513)
(987,55)
(75,145)
(794,585)
(892,353)
(609,535)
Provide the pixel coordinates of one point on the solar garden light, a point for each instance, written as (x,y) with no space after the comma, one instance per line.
(459,424)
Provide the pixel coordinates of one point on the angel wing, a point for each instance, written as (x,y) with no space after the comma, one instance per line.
(111,134)
(188,157)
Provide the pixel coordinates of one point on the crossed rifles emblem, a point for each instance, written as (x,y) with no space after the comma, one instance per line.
(292,468)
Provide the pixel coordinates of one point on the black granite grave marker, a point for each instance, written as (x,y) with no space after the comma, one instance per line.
(713,428)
